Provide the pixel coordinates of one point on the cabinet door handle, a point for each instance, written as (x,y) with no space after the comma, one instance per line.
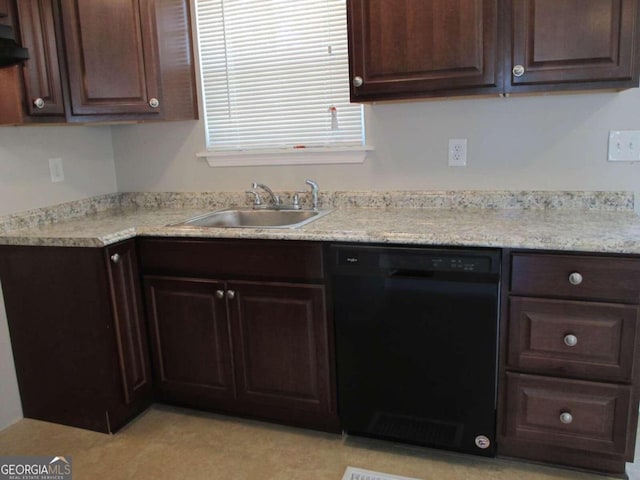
(38,103)
(566,418)
(575,278)
(115,258)
(220,294)
(570,340)
(231,294)
(518,71)
(154,103)
(358,81)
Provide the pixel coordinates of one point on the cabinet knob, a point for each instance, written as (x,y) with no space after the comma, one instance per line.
(358,81)
(39,103)
(575,278)
(231,294)
(566,418)
(115,258)
(219,293)
(518,71)
(154,103)
(570,340)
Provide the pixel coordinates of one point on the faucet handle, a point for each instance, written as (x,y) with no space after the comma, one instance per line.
(257,198)
(295,202)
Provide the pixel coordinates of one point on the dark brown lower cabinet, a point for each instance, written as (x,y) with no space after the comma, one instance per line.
(191,340)
(569,387)
(590,416)
(253,348)
(281,345)
(241,327)
(78,334)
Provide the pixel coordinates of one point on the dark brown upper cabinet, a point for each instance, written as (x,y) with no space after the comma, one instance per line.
(112,57)
(408,48)
(41,74)
(428,48)
(4,10)
(101,61)
(571,44)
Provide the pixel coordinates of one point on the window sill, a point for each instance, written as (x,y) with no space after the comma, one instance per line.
(287,156)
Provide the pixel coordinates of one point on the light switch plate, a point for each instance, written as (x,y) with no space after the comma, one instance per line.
(624,146)
(56,170)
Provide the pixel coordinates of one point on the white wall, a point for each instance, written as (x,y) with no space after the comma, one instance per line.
(25,183)
(538,142)
(87,155)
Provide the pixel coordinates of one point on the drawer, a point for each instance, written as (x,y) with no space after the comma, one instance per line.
(575,276)
(232,258)
(586,416)
(568,338)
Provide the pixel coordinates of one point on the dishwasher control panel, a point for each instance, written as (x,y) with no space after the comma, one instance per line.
(416,259)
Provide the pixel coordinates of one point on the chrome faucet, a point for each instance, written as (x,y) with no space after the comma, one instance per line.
(314,193)
(275,199)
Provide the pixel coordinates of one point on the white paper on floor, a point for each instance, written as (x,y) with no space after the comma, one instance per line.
(352,473)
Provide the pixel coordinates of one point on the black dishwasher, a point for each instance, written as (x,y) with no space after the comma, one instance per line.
(416,338)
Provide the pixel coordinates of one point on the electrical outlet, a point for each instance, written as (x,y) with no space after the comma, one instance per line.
(56,170)
(624,146)
(457,152)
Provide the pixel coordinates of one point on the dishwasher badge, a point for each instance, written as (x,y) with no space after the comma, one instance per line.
(482,442)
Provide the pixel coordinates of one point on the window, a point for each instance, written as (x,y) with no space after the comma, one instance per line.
(275,75)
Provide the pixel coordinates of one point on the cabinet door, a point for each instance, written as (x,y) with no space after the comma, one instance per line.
(190,339)
(43,86)
(281,339)
(4,9)
(410,48)
(111,73)
(60,320)
(561,44)
(11,108)
(131,334)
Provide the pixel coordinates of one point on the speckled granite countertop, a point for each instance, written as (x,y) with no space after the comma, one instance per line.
(579,221)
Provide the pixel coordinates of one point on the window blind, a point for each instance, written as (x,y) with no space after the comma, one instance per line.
(275,74)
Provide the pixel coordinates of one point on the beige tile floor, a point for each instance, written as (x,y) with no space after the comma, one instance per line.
(173,443)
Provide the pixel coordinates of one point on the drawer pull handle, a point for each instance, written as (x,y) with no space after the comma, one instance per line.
(570,340)
(566,418)
(575,278)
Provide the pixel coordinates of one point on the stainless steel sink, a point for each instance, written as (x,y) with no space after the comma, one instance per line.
(254,218)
